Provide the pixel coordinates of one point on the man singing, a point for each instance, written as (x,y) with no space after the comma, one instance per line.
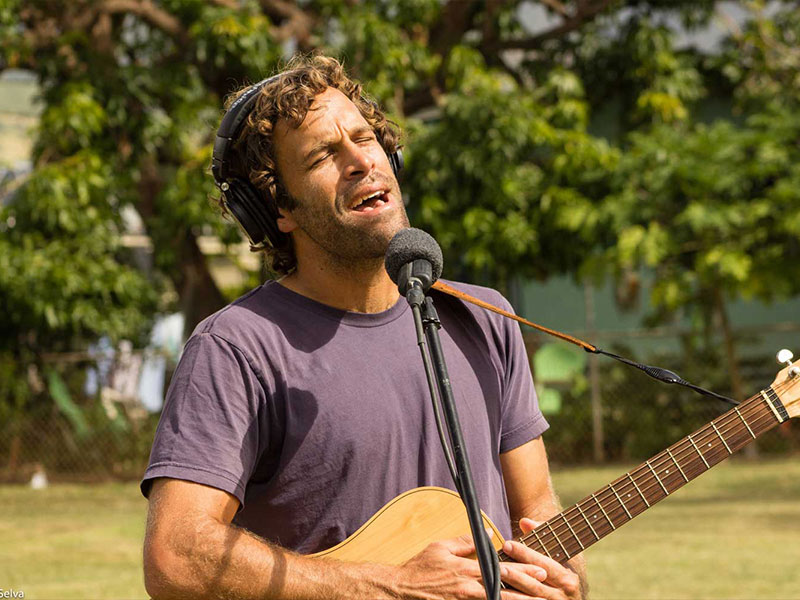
(302,408)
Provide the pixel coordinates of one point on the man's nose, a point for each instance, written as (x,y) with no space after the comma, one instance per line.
(359,160)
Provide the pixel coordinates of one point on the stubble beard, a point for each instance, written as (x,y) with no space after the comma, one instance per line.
(351,243)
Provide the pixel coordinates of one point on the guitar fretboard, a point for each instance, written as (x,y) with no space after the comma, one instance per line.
(601,513)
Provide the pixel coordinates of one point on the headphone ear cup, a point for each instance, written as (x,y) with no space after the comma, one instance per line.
(396,160)
(255,213)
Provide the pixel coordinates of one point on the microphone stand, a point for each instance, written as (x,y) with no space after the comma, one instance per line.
(427,320)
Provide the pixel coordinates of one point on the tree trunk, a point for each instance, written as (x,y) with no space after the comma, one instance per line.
(198,293)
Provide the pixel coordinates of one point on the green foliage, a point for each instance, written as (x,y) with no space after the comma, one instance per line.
(61,272)
(763,60)
(508,178)
(708,208)
(584,148)
(405,64)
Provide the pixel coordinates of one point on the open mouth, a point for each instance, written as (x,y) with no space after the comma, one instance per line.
(371,202)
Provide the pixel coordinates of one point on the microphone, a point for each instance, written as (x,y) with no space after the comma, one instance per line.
(413,260)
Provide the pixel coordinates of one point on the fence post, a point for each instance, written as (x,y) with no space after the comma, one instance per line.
(594,378)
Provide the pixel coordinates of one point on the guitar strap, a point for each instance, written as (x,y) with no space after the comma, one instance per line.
(663,375)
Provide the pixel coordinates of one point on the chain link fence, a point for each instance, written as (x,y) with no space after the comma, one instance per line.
(612,412)
(85,419)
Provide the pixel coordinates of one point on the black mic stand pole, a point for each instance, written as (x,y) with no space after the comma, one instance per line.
(487,557)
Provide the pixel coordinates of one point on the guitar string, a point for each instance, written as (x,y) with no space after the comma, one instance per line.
(602,497)
(703,435)
(574,524)
(658,462)
(619,512)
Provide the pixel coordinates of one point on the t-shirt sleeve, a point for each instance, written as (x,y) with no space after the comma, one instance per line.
(521,419)
(209,431)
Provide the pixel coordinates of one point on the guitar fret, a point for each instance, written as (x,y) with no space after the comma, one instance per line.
(638,490)
(677,465)
(625,508)
(541,543)
(589,523)
(580,543)
(722,438)
(736,408)
(610,522)
(772,406)
(656,472)
(558,540)
(658,479)
(703,458)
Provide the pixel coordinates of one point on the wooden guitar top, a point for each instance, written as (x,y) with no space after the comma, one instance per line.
(406,525)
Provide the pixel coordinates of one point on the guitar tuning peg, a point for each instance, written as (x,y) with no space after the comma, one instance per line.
(784,357)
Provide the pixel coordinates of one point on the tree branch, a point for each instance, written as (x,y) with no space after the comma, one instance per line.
(457,17)
(556,6)
(149,12)
(296,22)
(585,12)
(729,22)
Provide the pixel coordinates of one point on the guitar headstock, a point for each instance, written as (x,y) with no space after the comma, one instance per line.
(787,383)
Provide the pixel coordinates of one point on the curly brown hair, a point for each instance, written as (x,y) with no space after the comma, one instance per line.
(289,96)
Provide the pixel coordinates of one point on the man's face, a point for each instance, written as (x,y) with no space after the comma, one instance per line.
(348,200)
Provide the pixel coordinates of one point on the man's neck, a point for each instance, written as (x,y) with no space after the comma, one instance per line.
(364,287)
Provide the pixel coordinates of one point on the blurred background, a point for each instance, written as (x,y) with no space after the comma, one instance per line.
(623,170)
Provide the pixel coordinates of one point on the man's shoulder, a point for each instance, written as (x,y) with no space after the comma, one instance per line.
(255,311)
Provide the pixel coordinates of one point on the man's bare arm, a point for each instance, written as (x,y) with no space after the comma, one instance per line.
(192,550)
(531,495)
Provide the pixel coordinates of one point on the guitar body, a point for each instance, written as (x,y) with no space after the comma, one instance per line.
(406,525)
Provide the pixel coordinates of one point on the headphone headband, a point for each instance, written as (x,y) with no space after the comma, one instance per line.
(230,128)
(256,214)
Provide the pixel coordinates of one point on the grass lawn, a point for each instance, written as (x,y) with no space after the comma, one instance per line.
(733,533)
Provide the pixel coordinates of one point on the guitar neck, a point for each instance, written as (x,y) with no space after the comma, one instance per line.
(605,511)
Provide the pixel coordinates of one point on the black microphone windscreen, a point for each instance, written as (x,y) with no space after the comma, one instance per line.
(409,245)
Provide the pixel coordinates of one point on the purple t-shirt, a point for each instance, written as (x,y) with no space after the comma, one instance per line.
(314,417)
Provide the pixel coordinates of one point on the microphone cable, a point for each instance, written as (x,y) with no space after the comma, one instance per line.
(437,411)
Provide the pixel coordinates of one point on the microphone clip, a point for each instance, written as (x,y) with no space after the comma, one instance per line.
(415,273)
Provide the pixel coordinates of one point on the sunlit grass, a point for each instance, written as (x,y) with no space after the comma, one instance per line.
(732,533)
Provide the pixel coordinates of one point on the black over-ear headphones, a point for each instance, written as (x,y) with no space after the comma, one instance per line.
(254,210)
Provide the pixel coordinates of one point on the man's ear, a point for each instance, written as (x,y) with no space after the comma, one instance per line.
(286,222)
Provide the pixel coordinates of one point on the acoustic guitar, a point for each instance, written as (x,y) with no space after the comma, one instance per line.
(416,518)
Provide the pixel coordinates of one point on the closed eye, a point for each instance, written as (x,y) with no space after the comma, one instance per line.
(321,158)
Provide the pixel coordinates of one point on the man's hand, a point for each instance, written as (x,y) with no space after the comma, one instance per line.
(448,570)
(556,582)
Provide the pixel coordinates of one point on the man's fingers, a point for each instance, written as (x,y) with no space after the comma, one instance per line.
(527,525)
(521,553)
(464,545)
(557,575)
(525,579)
(460,546)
